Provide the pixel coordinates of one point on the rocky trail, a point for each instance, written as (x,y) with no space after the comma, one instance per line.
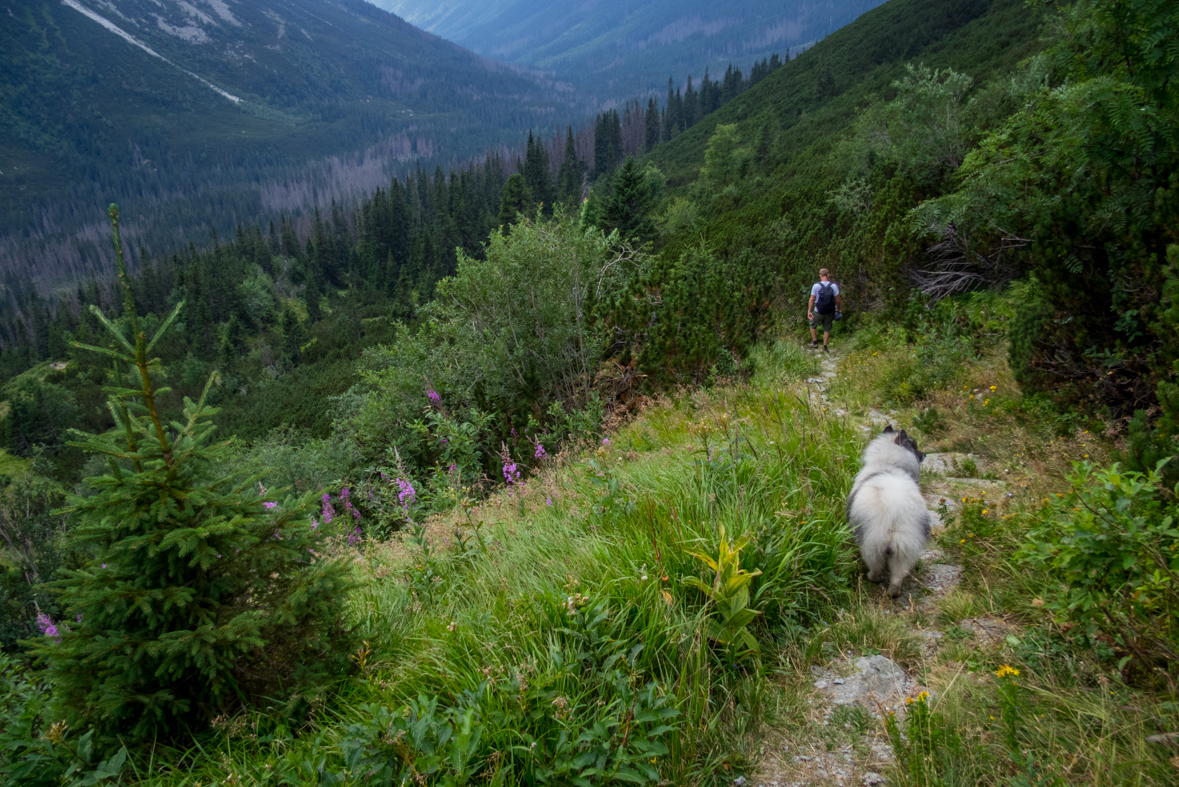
(842,740)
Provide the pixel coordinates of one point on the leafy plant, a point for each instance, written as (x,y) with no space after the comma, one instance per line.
(35,753)
(729,593)
(925,750)
(418,743)
(622,743)
(1112,547)
(1020,742)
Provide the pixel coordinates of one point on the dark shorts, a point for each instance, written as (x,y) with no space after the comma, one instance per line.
(824,320)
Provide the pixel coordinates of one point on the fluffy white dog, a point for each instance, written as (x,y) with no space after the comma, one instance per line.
(886,509)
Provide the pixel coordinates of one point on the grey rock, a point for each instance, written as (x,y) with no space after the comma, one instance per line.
(877,679)
(979,484)
(873,779)
(739,781)
(941,577)
(947,463)
(820,684)
(838,681)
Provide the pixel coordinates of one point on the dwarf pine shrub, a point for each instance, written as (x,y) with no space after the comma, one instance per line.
(193,591)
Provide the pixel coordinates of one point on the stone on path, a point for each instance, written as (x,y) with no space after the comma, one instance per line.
(877,679)
(949,462)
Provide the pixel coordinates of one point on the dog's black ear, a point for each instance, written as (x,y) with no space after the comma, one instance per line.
(888,429)
(920,457)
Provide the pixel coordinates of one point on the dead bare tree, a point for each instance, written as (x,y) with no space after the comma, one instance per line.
(957,266)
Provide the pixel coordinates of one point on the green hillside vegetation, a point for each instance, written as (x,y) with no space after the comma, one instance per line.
(331,94)
(570,461)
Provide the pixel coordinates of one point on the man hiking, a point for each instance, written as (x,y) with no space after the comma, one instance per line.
(824,304)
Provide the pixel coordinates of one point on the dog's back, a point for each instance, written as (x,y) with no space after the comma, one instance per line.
(886,509)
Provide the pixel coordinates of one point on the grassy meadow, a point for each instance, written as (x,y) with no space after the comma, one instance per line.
(559,614)
(557,633)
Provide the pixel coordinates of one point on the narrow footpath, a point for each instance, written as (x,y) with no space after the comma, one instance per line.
(842,740)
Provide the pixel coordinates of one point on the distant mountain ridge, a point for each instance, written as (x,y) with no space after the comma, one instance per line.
(203,113)
(616,47)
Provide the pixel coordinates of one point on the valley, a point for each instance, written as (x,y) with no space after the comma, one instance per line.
(519,468)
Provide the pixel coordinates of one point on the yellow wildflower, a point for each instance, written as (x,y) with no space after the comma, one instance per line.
(1006,671)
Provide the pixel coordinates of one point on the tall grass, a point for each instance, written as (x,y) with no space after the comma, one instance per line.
(557,605)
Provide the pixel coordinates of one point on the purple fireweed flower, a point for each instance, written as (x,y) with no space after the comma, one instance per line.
(453,467)
(406,494)
(104,565)
(344,493)
(328,512)
(269,505)
(445,441)
(314,523)
(605,441)
(433,396)
(539,453)
(354,536)
(48,628)
(548,501)
(79,618)
(355,512)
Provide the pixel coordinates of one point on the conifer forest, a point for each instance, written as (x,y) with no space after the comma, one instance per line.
(375,412)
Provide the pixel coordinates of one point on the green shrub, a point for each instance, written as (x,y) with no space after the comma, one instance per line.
(192,592)
(1111,547)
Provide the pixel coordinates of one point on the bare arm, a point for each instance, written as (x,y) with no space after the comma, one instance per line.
(810,308)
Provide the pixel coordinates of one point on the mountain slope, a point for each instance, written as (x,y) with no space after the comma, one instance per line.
(222,104)
(616,48)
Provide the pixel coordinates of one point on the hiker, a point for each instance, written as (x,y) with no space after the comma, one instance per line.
(823,307)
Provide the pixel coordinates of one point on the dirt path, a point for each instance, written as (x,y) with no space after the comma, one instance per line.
(841,738)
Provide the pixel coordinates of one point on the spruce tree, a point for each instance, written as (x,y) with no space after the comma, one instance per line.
(294,335)
(570,174)
(516,199)
(536,174)
(630,203)
(691,106)
(652,125)
(195,592)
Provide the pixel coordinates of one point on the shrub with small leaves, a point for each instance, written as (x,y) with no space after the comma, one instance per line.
(1112,547)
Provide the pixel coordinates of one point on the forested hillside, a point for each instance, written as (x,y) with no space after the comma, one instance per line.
(534,481)
(202,116)
(616,49)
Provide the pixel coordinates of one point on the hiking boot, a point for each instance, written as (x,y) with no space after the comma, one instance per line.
(825,349)
(815,343)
